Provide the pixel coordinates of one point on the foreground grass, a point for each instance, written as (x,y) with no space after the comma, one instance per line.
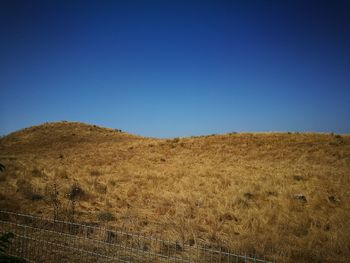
(279,195)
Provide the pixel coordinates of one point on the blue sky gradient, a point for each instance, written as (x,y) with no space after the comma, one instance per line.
(176,68)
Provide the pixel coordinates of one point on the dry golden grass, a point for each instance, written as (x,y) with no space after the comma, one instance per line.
(280,195)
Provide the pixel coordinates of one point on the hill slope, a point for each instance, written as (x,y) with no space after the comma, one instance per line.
(285,196)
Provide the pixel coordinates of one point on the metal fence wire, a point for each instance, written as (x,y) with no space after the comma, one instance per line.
(43,240)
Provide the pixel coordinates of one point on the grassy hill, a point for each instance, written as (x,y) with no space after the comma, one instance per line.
(281,195)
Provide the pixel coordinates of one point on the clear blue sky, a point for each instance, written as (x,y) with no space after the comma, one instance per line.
(176,68)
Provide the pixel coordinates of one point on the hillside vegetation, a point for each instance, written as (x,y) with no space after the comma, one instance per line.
(285,196)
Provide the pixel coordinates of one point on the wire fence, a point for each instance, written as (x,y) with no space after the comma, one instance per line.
(38,239)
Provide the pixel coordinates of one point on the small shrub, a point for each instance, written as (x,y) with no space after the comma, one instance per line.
(105,216)
(333,199)
(75,192)
(248,195)
(36,173)
(95,173)
(52,199)
(36,197)
(300,197)
(272,193)
(298,177)
(176,140)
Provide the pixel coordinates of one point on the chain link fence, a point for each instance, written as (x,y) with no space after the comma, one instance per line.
(44,240)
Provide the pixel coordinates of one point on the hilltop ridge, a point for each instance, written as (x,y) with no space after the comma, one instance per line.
(59,135)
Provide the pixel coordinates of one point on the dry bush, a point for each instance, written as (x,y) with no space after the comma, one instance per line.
(52,198)
(75,192)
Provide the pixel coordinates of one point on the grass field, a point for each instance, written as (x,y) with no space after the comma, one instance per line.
(285,196)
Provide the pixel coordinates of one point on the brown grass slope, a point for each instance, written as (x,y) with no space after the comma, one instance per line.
(281,195)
